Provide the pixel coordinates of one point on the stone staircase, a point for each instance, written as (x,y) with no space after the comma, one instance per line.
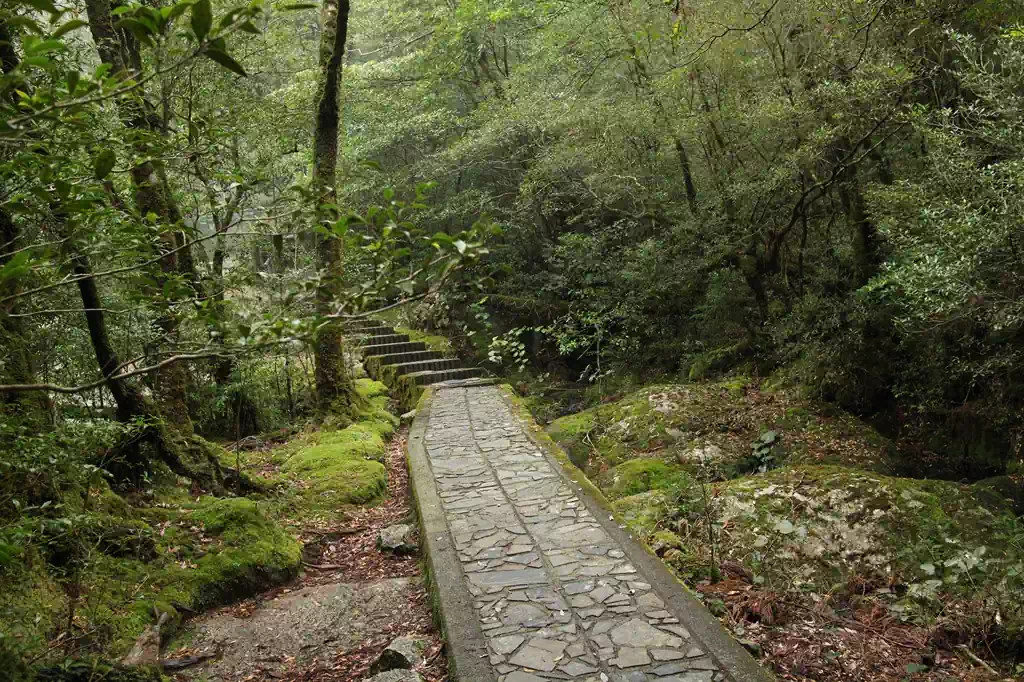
(405,366)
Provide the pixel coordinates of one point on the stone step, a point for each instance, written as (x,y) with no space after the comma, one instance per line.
(382,339)
(436,364)
(414,356)
(434,377)
(361,324)
(393,348)
(378,330)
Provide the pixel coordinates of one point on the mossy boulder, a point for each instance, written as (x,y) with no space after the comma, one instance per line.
(219,550)
(674,420)
(640,475)
(250,552)
(344,468)
(827,523)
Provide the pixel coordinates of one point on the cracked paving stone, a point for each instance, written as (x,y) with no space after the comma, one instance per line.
(520,676)
(575,668)
(667,654)
(630,657)
(506,645)
(701,676)
(637,633)
(533,657)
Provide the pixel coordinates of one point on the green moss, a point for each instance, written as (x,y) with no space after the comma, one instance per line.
(441,344)
(640,475)
(359,440)
(369,389)
(31,602)
(348,482)
(672,419)
(251,552)
(219,551)
(644,513)
(343,469)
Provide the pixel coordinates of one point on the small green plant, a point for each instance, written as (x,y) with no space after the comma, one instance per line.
(763,451)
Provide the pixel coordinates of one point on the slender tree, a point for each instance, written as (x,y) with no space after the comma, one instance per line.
(332,381)
(120,49)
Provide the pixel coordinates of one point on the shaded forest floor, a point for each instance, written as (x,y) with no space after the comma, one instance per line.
(285,582)
(334,620)
(791,520)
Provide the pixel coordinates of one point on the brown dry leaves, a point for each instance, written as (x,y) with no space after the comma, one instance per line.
(804,639)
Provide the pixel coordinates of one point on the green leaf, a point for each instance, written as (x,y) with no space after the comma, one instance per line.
(26,22)
(69,26)
(42,5)
(202,19)
(915,668)
(225,60)
(44,46)
(104,163)
(139,28)
(249,27)
(178,9)
(73,78)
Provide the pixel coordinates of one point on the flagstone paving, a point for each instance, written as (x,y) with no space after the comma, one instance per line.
(555,595)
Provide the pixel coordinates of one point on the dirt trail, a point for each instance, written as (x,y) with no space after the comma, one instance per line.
(333,621)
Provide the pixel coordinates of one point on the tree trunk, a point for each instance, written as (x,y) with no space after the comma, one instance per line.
(188,456)
(333,387)
(152,196)
(33,408)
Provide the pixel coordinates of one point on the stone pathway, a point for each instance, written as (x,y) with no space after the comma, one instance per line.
(555,595)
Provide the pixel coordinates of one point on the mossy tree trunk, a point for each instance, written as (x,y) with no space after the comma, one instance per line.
(334,387)
(33,408)
(185,455)
(120,49)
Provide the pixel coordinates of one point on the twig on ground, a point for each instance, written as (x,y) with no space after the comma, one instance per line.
(971,655)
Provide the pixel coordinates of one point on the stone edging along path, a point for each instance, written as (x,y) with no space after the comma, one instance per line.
(531,577)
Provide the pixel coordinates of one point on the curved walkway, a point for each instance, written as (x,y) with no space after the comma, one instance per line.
(533,579)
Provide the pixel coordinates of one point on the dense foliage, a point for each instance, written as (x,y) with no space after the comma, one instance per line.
(201,199)
(175,266)
(826,189)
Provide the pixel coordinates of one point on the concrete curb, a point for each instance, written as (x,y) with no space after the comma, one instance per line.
(703,626)
(450,600)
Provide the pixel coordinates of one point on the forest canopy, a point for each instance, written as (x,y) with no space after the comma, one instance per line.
(201,201)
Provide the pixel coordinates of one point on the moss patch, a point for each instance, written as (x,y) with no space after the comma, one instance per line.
(343,468)
(441,344)
(690,422)
(31,602)
(640,475)
(212,553)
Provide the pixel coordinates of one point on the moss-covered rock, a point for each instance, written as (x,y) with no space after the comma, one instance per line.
(674,421)
(250,552)
(640,475)
(213,553)
(344,468)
